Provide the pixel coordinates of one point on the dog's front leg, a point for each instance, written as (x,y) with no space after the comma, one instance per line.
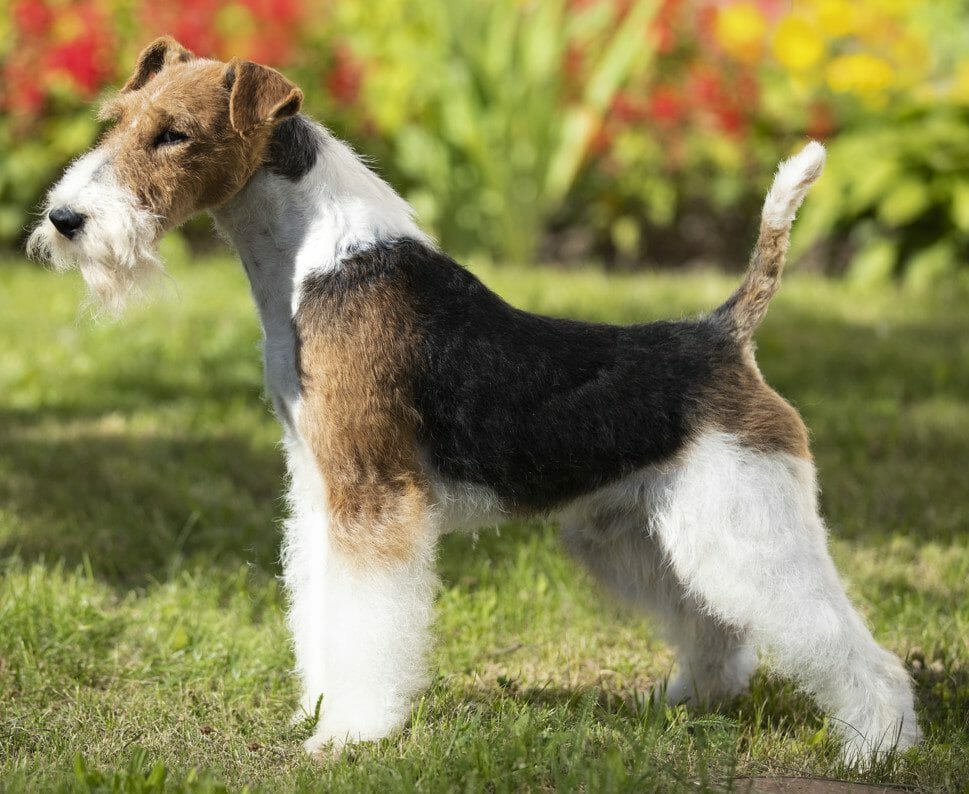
(372,642)
(361,585)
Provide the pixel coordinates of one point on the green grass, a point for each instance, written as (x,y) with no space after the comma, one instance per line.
(141,617)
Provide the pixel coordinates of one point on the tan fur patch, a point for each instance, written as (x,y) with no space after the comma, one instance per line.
(748,305)
(193,98)
(156,56)
(260,95)
(742,403)
(357,356)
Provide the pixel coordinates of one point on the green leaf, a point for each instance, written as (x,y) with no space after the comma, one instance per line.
(960,205)
(931,265)
(610,72)
(875,263)
(870,179)
(819,735)
(908,199)
(156,778)
(179,640)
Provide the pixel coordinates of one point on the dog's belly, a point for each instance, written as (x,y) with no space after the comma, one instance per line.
(467,507)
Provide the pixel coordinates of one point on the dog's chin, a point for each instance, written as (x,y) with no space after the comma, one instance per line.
(118,259)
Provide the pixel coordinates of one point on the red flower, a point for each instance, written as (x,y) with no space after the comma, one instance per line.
(706,25)
(705,85)
(666,105)
(730,120)
(193,24)
(22,92)
(345,77)
(274,42)
(78,58)
(32,17)
(627,108)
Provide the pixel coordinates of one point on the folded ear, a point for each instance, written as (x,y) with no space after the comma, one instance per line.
(259,95)
(156,56)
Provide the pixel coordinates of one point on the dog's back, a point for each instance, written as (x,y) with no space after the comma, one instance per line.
(543,410)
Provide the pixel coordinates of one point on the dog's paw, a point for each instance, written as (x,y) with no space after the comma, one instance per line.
(333,735)
(861,751)
(323,746)
(677,689)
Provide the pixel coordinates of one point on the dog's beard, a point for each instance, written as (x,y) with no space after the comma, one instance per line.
(116,249)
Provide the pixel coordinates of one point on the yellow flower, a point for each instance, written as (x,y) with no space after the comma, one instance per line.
(741,30)
(890,8)
(797,44)
(860,73)
(837,17)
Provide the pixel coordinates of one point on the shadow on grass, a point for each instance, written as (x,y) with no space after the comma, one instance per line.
(131,506)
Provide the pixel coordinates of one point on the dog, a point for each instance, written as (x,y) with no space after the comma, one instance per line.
(415,402)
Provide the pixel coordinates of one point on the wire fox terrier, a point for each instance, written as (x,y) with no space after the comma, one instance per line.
(414,401)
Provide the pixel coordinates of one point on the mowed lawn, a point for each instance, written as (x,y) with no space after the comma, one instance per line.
(142,640)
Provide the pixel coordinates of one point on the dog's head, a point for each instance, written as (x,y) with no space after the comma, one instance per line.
(187,134)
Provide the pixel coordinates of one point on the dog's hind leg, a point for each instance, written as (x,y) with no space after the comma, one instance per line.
(714,660)
(741,529)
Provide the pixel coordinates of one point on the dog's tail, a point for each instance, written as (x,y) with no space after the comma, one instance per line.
(746,308)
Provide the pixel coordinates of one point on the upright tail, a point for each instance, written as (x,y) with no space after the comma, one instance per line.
(747,307)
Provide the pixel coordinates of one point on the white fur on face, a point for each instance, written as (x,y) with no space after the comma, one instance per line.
(116,249)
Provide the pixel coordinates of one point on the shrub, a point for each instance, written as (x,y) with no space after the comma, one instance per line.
(687,152)
(895,198)
(485,124)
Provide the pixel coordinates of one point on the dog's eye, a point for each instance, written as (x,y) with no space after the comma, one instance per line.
(168,137)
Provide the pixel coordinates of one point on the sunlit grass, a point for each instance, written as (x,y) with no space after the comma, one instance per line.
(141,622)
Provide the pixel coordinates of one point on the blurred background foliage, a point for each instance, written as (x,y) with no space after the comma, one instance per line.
(625,131)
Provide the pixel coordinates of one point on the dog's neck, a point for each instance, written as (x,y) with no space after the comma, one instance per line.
(311,205)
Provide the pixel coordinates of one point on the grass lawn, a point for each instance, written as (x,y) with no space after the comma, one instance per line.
(141,617)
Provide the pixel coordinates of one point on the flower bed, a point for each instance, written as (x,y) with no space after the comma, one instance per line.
(634,130)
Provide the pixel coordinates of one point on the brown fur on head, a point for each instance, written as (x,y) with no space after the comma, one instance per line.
(189,132)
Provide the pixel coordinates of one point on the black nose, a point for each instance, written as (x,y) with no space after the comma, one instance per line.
(66,221)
